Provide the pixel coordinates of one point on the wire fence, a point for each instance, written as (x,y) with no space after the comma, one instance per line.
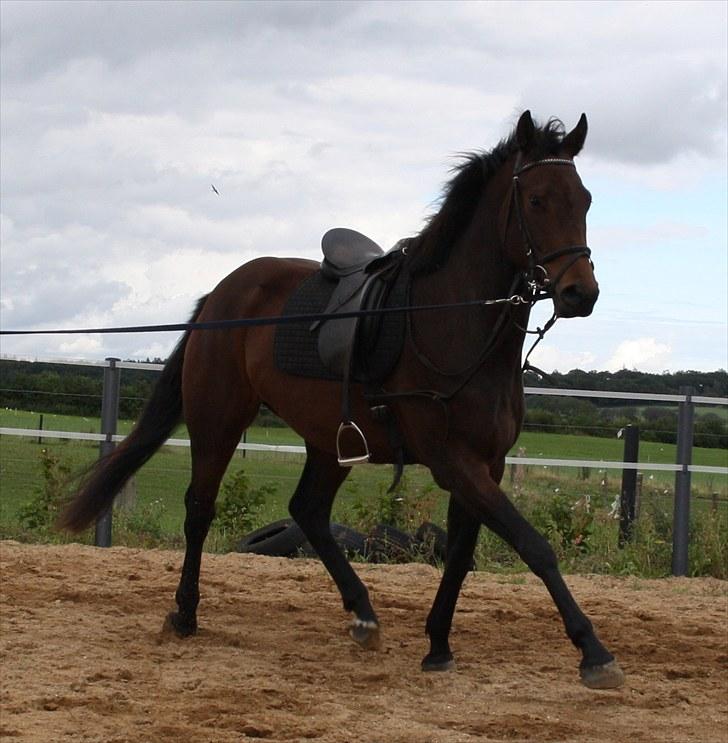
(683,468)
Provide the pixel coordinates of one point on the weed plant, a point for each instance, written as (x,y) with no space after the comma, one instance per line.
(238,509)
(405,507)
(38,515)
(578,516)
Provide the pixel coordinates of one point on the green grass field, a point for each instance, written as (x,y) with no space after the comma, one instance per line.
(160,485)
(165,476)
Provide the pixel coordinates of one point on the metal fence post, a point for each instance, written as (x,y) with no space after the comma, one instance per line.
(628,496)
(681,514)
(109,419)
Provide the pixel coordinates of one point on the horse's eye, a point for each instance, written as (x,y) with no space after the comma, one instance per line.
(534,201)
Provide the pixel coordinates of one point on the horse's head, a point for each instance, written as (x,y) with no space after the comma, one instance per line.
(545,220)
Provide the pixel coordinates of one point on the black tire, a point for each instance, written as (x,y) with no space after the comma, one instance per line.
(387,544)
(280,539)
(350,540)
(433,541)
(353,543)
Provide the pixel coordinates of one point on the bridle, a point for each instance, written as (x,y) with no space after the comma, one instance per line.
(539,284)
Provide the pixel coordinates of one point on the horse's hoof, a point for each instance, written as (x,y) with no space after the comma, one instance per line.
(174,624)
(439,663)
(365,633)
(608,676)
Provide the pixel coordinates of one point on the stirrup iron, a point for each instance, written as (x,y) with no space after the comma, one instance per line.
(358,459)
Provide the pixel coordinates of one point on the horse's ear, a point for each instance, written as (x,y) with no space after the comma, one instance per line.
(525,130)
(574,140)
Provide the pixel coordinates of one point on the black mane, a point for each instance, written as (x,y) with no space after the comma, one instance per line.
(431,247)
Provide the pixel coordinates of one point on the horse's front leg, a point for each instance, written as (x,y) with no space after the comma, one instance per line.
(473,482)
(462,535)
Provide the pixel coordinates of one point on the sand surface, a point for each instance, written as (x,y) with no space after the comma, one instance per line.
(82,657)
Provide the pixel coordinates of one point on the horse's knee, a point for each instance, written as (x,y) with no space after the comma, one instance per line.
(296,507)
(306,509)
(299,509)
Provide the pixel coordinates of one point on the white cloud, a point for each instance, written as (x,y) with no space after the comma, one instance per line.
(645,354)
(656,235)
(83,347)
(549,358)
(115,117)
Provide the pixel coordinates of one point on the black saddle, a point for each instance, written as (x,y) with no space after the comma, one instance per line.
(355,274)
(364,275)
(348,251)
(360,269)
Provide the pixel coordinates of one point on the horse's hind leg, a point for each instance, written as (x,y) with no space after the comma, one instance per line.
(310,506)
(213,443)
(200,511)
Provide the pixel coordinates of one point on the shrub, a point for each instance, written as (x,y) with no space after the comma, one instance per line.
(708,546)
(40,512)
(141,526)
(405,508)
(566,523)
(238,506)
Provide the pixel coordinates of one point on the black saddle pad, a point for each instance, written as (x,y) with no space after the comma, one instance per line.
(296,344)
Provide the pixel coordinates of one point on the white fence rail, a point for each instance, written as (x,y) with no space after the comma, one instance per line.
(292,449)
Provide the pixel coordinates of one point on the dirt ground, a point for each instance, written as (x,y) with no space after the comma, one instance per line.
(83,658)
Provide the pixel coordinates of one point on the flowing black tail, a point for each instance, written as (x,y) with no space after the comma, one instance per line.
(161,415)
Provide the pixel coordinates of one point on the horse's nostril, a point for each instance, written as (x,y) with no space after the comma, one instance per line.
(573,295)
(575,300)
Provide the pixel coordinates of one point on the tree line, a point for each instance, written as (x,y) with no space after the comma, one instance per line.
(604,417)
(75,390)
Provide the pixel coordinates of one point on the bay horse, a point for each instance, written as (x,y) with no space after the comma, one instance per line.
(511,224)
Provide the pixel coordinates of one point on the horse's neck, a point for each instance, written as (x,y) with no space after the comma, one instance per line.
(475,270)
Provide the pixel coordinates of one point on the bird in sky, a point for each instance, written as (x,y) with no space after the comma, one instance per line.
(214,189)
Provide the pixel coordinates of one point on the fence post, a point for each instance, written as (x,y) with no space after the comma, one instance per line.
(628,495)
(681,513)
(109,419)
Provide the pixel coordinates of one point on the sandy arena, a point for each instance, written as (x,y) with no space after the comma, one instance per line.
(83,657)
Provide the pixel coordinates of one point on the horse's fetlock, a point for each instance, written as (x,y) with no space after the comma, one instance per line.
(358,604)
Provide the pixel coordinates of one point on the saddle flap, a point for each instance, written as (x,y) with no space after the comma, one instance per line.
(337,337)
(346,251)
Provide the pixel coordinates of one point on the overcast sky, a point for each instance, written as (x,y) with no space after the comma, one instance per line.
(117,117)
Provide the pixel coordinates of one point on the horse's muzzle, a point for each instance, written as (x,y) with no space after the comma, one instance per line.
(576,300)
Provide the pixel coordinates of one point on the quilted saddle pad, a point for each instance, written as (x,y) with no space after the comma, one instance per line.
(379,339)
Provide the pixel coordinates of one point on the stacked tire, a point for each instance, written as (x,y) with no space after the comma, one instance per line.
(284,538)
